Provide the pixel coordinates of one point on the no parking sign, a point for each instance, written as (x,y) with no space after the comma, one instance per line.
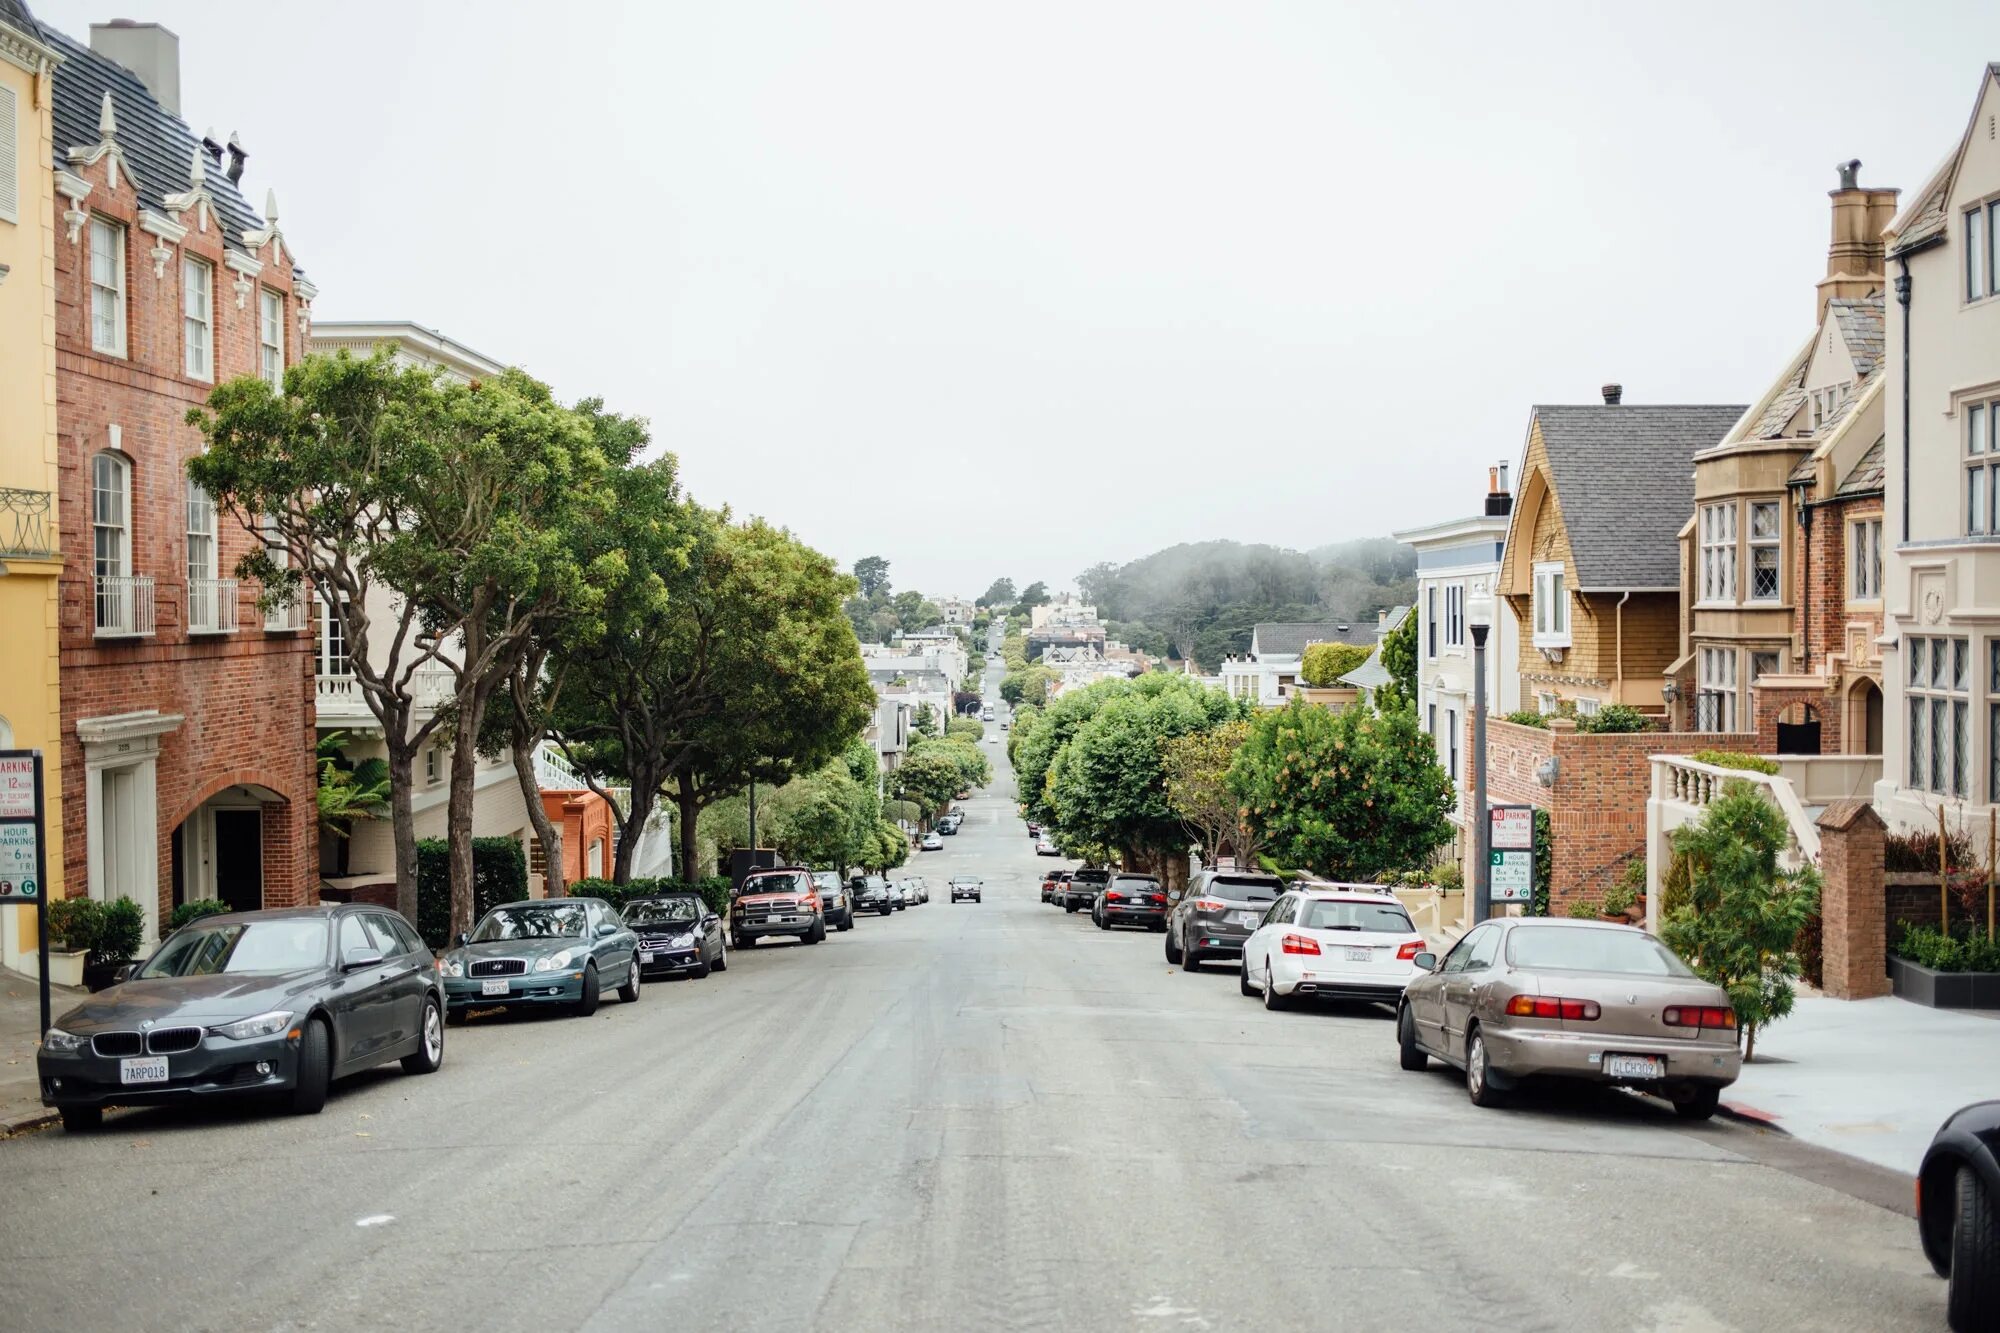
(24,868)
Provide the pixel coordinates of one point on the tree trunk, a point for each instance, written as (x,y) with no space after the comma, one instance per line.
(403,825)
(689,807)
(631,827)
(458,825)
(546,829)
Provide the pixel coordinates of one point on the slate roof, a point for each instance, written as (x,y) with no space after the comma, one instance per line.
(1289,638)
(1624,481)
(1927,217)
(14,13)
(157,145)
(1866,477)
(1860,323)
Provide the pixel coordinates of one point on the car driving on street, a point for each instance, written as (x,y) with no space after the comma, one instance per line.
(250,1003)
(1530,996)
(1131,900)
(1345,942)
(1216,915)
(966,886)
(780,901)
(541,953)
(677,934)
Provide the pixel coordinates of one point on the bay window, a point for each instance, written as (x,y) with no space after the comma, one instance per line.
(1718,552)
(1764,551)
(1716,690)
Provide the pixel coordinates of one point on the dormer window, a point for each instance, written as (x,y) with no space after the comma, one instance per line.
(1827,402)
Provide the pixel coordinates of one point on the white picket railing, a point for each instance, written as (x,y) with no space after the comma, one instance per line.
(124,606)
(211,606)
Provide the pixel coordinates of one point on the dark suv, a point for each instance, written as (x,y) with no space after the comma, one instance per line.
(1083,888)
(1131,900)
(1216,914)
(870,893)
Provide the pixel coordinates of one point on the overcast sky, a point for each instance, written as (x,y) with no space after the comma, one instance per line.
(1012,289)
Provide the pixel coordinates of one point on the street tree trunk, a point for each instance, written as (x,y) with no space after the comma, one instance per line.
(458,823)
(403,824)
(546,829)
(640,803)
(687,802)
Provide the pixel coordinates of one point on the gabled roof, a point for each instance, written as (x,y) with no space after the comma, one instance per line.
(157,146)
(1624,481)
(1860,323)
(1923,222)
(1290,638)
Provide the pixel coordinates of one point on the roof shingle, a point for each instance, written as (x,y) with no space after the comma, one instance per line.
(1290,638)
(1866,477)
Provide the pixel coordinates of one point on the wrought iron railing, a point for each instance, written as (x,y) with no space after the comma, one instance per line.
(124,606)
(27,525)
(211,607)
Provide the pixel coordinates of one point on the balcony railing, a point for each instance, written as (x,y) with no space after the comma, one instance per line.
(211,606)
(286,617)
(26,529)
(430,688)
(124,606)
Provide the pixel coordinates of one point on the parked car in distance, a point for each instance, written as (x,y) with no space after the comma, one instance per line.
(1083,888)
(1216,915)
(1958,1213)
(1043,847)
(1131,900)
(273,1002)
(897,898)
(539,953)
(915,890)
(835,904)
(1345,943)
(677,934)
(932,842)
(1053,883)
(1529,996)
(870,893)
(1004,725)
(1034,829)
(779,901)
(949,824)
(966,886)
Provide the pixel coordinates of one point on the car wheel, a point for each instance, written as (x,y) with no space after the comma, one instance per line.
(1173,954)
(1479,1071)
(1190,960)
(315,1070)
(739,942)
(848,924)
(886,910)
(629,992)
(82,1119)
(1272,1000)
(1973,1293)
(430,1043)
(1243,978)
(1698,1103)
(454,1018)
(1102,922)
(1069,907)
(587,1006)
(816,934)
(721,957)
(1410,1055)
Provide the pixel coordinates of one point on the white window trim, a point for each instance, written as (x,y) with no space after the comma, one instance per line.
(204,369)
(1718,673)
(1454,615)
(1556,636)
(1753,543)
(114,233)
(273,373)
(10,160)
(1864,559)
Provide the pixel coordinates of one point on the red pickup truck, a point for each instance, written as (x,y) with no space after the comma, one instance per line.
(776,902)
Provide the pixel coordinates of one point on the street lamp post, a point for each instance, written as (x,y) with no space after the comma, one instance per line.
(1481,621)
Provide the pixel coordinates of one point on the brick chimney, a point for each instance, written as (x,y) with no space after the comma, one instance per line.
(149,51)
(1614,394)
(1854,255)
(1499,500)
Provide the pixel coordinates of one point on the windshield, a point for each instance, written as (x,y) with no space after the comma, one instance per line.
(1387,918)
(1243,889)
(827,881)
(246,946)
(662,911)
(1581,949)
(782,882)
(1091,877)
(531,923)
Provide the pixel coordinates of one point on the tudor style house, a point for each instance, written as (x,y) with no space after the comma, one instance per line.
(1941,488)
(1589,571)
(187,723)
(1781,561)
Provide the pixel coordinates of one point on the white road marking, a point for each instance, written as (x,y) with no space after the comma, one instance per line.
(375,1220)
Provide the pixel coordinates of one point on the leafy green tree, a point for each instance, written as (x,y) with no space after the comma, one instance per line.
(1399,659)
(1352,795)
(1036,753)
(1325,663)
(1035,594)
(924,722)
(965,729)
(826,819)
(999,593)
(973,768)
(1196,769)
(872,573)
(1028,687)
(887,849)
(1743,914)
(928,777)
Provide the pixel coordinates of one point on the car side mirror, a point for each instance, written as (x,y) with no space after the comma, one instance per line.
(124,973)
(359,958)
(1426,961)
(710,919)
(464,939)
(605,928)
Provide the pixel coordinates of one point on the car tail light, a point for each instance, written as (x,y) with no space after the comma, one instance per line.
(1409,949)
(1552,1006)
(1301,944)
(1698,1016)
(1114,897)
(1210,905)
(1156,898)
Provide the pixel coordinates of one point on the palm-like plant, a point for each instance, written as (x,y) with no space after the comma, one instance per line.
(349,791)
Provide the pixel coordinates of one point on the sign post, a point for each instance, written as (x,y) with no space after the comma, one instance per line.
(1511,862)
(24,867)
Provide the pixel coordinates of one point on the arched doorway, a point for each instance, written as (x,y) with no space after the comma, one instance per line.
(1864,718)
(218,850)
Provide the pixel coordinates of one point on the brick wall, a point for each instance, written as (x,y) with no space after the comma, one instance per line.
(1597,808)
(247,697)
(1852,965)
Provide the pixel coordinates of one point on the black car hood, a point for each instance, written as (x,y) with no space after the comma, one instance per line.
(211,999)
(665,930)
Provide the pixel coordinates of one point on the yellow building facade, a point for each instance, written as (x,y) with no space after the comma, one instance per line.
(30,563)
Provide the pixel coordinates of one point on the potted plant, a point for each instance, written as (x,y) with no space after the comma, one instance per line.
(1617,903)
(74,925)
(1955,971)
(121,930)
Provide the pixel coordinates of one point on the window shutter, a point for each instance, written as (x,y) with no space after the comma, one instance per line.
(10,157)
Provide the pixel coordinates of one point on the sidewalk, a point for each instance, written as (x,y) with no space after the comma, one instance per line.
(1870,1078)
(20,1033)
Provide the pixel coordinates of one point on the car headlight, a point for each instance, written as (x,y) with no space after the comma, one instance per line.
(555,962)
(685,941)
(63,1043)
(263,1025)
(451,967)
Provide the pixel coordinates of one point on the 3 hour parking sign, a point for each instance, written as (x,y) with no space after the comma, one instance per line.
(17,861)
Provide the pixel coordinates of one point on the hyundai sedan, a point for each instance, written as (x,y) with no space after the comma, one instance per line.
(250,1003)
(547,953)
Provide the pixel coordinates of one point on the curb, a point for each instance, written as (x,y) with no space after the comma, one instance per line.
(1750,1115)
(21,1122)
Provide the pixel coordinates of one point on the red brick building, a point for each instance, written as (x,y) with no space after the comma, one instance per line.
(187,719)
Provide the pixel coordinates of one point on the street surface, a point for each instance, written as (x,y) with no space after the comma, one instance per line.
(962,1117)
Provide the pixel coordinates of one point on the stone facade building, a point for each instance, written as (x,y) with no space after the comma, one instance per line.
(187,714)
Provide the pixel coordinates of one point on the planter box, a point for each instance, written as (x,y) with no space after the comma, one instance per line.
(65,969)
(1943,990)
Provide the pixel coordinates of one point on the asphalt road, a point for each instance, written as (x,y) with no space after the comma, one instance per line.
(962,1117)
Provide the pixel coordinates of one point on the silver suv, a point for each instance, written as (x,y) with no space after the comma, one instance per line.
(1216,915)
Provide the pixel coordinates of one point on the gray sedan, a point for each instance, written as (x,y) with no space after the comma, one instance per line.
(250,1003)
(551,953)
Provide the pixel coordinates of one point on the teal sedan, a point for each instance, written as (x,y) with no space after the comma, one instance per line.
(551,953)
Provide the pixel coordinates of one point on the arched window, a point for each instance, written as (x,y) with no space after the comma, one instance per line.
(111,536)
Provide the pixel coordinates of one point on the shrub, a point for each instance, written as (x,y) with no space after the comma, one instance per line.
(1526,717)
(1930,947)
(1583,909)
(76,922)
(119,936)
(1919,851)
(195,911)
(1538,905)
(1736,759)
(1614,718)
(714,890)
(1617,898)
(1451,877)
(1325,663)
(499,875)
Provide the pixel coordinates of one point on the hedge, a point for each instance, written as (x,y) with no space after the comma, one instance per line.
(1736,759)
(714,890)
(499,875)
